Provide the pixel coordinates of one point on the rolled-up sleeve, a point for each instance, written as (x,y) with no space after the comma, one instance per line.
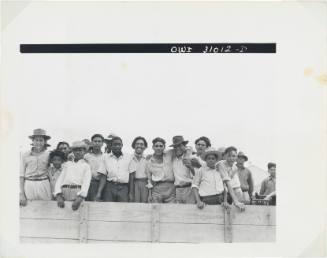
(59,182)
(197,178)
(132,166)
(86,181)
(22,165)
(223,172)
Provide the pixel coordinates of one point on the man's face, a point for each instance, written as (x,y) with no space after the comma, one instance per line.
(38,142)
(79,153)
(272,171)
(139,146)
(179,149)
(200,146)
(211,160)
(97,143)
(158,148)
(64,148)
(57,161)
(231,157)
(116,146)
(240,161)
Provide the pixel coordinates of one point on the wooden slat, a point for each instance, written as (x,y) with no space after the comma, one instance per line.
(254,215)
(83,222)
(106,211)
(39,240)
(49,228)
(125,231)
(48,210)
(228,234)
(247,233)
(155,223)
(189,213)
(191,233)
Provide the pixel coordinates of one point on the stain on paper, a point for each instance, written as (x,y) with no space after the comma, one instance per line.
(322,79)
(308,71)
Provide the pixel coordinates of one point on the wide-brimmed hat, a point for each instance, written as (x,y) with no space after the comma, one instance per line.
(177,140)
(110,137)
(39,132)
(79,144)
(210,151)
(242,155)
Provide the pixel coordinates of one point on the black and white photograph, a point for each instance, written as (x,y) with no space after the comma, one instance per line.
(143,128)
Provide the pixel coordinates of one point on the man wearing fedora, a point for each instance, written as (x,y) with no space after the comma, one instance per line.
(245,177)
(183,170)
(74,181)
(34,181)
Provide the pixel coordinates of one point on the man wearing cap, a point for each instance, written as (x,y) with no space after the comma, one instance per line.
(34,181)
(114,170)
(183,171)
(108,142)
(245,177)
(94,158)
(74,180)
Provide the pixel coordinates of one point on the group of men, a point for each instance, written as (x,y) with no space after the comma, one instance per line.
(177,175)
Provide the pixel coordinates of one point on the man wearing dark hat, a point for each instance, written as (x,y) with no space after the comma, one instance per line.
(245,177)
(34,181)
(183,170)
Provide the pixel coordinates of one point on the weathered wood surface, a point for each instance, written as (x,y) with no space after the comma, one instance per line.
(100,222)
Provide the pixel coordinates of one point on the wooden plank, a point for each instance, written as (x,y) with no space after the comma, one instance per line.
(191,233)
(49,228)
(254,215)
(91,241)
(40,240)
(48,210)
(83,222)
(189,213)
(155,223)
(107,211)
(248,233)
(125,231)
(228,234)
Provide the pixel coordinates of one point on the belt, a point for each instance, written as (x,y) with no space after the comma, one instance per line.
(71,186)
(144,179)
(183,186)
(160,182)
(117,183)
(37,179)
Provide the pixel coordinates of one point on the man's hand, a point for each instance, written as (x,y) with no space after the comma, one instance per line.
(60,201)
(22,199)
(77,203)
(195,163)
(200,204)
(187,163)
(226,205)
(240,205)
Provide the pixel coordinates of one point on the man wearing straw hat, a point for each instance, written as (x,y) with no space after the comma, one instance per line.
(34,181)
(245,177)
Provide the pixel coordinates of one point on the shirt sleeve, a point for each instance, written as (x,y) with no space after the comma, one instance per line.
(22,165)
(223,172)
(250,182)
(86,181)
(263,187)
(197,178)
(132,166)
(59,182)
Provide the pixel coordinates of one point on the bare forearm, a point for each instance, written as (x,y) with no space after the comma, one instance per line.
(231,192)
(102,183)
(196,194)
(21,185)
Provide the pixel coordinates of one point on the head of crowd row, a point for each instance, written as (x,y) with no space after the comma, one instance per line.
(169,175)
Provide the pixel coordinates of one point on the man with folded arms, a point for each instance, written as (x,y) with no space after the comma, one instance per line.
(114,170)
(245,177)
(74,180)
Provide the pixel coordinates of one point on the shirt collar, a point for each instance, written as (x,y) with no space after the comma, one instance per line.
(113,156)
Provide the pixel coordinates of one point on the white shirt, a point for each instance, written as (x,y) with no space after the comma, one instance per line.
(116,169)
(138,166)
(94,161)
(75,173)
(231,171)
(182,173)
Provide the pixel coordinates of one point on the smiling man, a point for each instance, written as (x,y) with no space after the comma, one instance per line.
(138,192)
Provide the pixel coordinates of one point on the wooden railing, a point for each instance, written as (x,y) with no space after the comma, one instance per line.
(100,222)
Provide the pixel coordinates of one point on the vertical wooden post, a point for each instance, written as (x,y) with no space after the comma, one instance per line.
(83,221)
(228,235)
(155,222)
